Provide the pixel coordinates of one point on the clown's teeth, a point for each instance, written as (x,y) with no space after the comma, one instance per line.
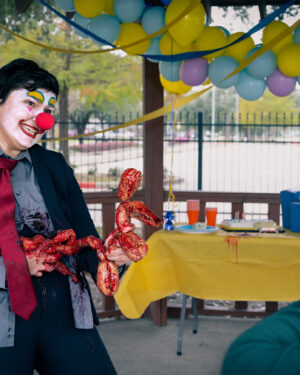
(28,129)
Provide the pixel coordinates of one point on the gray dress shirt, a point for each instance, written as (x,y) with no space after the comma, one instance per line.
(30,210)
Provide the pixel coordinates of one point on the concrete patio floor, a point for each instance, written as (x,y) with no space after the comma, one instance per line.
(138,347)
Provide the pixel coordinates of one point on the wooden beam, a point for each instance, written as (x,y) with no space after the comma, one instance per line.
(22,5)
(153,142)
(262,9)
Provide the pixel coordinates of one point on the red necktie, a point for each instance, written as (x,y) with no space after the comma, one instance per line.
(22,295)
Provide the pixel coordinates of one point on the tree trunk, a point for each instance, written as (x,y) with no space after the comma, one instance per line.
(63,119)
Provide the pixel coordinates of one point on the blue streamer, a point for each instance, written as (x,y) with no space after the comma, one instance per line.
(186,55)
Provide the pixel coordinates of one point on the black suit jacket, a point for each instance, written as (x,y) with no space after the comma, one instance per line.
(65,203)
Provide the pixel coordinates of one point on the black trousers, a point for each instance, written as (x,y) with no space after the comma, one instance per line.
(49,341)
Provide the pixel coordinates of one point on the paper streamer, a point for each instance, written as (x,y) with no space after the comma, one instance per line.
(182,56)
(185,100)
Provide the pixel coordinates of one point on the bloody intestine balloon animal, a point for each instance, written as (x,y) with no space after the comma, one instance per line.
(65,243)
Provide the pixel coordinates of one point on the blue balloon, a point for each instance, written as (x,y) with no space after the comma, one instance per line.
(153,49)
(297,35)
(170,70)
(250,88)
(298,79)
(166,2)
(226,32)
(106,27)
(153,20)
(129,10)
(82,21)
(219,68)
(66,5)
(263,66)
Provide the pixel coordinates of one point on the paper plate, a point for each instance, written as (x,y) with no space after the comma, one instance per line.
(190,229)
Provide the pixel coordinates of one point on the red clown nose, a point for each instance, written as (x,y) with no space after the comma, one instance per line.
(45,121)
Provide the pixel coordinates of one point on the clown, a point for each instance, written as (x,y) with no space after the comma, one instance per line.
(59,336)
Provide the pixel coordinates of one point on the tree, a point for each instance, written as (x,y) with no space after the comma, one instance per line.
(102,78)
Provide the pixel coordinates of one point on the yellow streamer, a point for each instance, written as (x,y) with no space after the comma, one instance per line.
(70,51)
(185,100)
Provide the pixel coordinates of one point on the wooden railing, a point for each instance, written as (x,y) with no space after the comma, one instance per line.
(159,310)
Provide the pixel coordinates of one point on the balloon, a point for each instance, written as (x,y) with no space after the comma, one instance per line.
(89,8)
(250,88)
(153,20)
(130,33)
(239,50)
(106,27)
(297,35)
(281,85)
(177,88)
(288,60)
(298,79)
(263,66)
(220,68)
(194,72)
(211,37)
(153,49)
(129,10)
(272,30)
(166,2)
(109,7)
(190,26)
(170,70)
(82,21)
(207,82)
(168,46)
(66,5)
(226,32)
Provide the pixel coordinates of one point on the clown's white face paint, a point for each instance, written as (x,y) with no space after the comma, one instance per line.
(18,130)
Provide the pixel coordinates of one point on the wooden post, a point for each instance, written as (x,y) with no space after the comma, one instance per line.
(153,160)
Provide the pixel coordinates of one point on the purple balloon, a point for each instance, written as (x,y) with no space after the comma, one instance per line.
(194,72)
(279,84)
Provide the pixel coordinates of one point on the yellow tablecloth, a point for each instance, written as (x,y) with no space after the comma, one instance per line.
(213,266)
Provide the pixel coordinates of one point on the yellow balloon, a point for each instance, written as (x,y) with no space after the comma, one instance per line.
(239,50)
(177,87)
(190,26)
(109,7)
(288,60)
(273,29)
(168,46)
(89,8)
(207,82)
(130,33)
(211,37)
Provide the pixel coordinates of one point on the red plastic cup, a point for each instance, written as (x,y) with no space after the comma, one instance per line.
(192,208)
(211,216)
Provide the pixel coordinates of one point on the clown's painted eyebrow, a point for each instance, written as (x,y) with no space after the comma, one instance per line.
(38,95)
(52,101)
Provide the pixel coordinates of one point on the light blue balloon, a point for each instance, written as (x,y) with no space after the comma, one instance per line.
(226,32)
(153,49)
(153,20)
(170,70)
(298,79)
(250,88)
(66,5)
(128,10)
(263,66)
(81,21)
(106,27)
(297,35)
(219,68)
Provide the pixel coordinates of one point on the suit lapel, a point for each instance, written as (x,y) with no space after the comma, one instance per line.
(49,194)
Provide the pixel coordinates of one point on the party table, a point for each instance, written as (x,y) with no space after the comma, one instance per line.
(221,265)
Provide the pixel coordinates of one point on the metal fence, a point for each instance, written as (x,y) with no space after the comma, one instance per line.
(254,153)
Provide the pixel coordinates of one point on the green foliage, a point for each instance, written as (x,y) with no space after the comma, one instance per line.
(108,81)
